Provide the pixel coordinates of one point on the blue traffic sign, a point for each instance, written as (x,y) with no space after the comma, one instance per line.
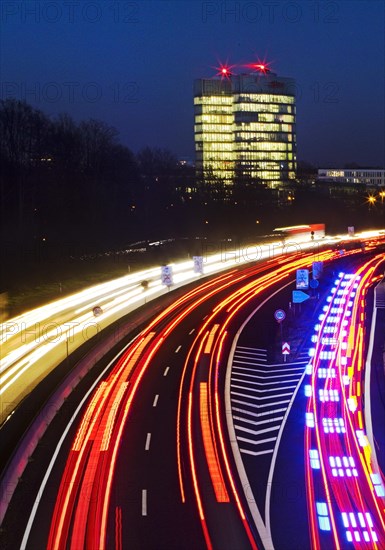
(299,296)
(279,315)
(314,283)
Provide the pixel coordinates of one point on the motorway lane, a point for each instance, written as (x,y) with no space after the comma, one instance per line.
(144,498)
(377,382)
(34,343)
(174,419)
(344,509)
(151,466)
(289,517)
(258,364)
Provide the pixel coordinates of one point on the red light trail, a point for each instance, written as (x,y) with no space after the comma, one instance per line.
(81,516)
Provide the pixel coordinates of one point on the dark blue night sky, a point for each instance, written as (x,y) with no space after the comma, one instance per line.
(132,64)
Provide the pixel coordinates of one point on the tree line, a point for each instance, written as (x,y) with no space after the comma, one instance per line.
(71,187)
(68,182)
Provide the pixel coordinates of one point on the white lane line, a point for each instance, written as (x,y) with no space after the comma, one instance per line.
(367,394)
(256,432)
(205,317)
(238,371)
(268,440)
(247,381)
(177,349)
(257,415)
(155,400)
(271,376)
(238,362)
(238,357)
(260,406)
(245,451)
(166,371)
(148,439)
(256,390)
(251,361)
(144,502)
(191,331)
(257,398)
(267,541)
(47,474)
(291,363)
(254,423)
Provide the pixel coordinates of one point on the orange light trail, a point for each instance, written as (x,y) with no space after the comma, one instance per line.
(212,461)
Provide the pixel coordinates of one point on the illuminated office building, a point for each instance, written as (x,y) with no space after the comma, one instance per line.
(351,176)
(245,128)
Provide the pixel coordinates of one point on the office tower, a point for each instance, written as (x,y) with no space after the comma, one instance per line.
(245,128)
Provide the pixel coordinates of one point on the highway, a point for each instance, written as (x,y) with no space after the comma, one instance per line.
(345,503)
(34,343)
(148,461)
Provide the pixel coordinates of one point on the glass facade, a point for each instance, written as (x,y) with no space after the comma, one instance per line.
(352,176)
(245,128)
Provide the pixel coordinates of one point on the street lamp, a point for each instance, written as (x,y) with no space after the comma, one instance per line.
(371,200)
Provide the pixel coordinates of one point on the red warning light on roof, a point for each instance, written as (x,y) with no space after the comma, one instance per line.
(224,70)
(260,66)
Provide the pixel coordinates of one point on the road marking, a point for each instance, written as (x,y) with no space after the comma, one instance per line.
(259,414)
(254,423)
(148,439)
(177,349)
(256,432)
(238,357)
(260,406)
(245,451)
(155,400)
(258,521)
(191,331)
(258,398)
(268,440)
(277,382)
(270,376)
(48,471)
(256,390)
(144,502)
(166,371)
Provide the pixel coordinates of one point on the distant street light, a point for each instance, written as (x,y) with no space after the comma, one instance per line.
(371,200)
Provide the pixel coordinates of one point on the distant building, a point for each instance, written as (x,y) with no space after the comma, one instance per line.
(351,176)
(245,128)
